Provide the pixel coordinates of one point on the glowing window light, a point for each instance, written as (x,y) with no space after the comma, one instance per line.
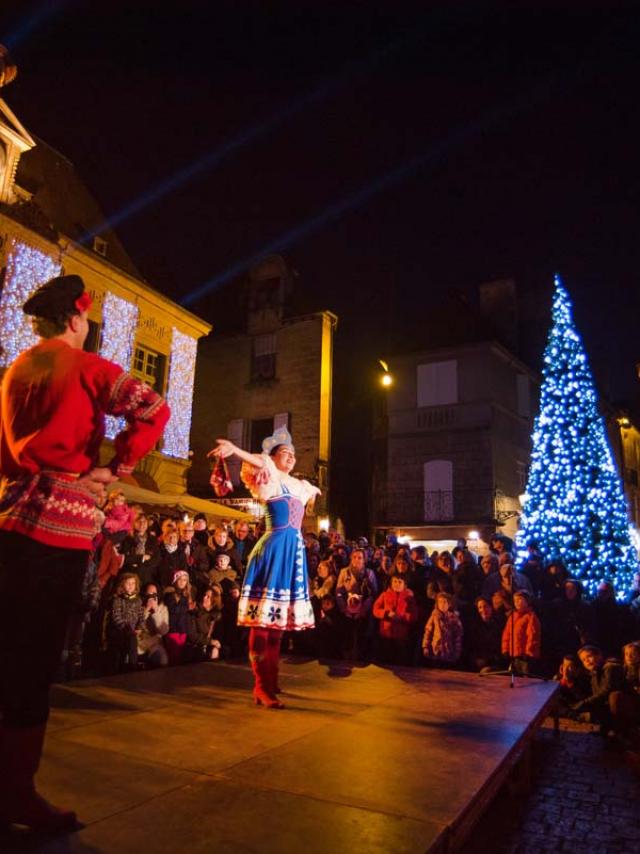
(182,371)
(27,269)
(119,322)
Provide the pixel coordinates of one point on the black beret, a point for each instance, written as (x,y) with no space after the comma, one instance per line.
(55,298)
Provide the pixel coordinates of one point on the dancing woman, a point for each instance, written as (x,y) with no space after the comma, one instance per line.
(275,591)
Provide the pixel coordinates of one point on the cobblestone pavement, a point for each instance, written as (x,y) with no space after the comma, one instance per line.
(584,799)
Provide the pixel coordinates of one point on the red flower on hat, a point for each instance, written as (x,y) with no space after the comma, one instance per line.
(83,303)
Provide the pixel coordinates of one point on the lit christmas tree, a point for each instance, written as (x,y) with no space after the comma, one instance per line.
(575,505)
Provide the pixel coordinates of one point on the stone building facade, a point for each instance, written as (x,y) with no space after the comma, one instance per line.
(452,442)
(276,373)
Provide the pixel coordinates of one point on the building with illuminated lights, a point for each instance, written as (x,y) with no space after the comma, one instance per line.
(50,224)
(278,371)
(624,436)
(452,433)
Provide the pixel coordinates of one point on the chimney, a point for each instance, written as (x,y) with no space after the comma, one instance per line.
(499,304)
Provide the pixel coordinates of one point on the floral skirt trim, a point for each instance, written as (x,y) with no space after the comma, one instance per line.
(273,609)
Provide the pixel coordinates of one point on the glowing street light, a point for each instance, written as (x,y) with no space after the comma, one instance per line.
(386,379)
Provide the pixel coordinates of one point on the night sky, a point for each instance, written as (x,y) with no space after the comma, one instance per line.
(450,144)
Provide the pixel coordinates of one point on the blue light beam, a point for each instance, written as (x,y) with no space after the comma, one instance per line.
(354,200)
(45,10)
(214,158)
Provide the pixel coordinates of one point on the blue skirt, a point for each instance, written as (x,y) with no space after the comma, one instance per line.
(275,591)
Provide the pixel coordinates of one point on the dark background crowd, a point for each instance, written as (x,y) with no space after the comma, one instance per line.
(163,591)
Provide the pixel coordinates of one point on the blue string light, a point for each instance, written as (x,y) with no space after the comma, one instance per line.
(575,506)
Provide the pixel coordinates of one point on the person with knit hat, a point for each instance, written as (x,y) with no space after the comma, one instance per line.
(179,601)
(53,401)
(275,589)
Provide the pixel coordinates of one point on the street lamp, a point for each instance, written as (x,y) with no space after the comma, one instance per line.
(386,379)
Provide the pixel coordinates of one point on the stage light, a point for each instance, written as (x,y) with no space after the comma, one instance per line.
(27,269)
(119,323)
(182,371)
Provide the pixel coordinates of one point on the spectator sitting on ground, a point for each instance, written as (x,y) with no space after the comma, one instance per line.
(443,634)
(574,685)
(603,704)
(522,635)
(155,625)
(484,636)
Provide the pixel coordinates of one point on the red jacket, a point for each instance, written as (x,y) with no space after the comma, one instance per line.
(526,635)
(403,605)
(52,405)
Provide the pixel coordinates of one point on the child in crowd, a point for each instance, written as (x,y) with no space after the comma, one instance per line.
(329,629)
(395,609)
(224,575)
(179,603)
(205,621)
(125,621)
(521,637)
(573,685)
(155,625)
(442,640)
(119,517)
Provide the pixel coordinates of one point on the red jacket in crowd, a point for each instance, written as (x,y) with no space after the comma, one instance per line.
(526,635)
(403,605)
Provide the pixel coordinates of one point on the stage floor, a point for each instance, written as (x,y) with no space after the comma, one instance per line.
(367,760)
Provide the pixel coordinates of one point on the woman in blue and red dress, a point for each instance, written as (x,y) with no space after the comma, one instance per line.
(275,591)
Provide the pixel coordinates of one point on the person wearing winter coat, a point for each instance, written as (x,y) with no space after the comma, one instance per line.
(179,603)
(606,702)
(396,611)
(522,634)
(124,624)
(204,631)
(355,594)
(570,621)
(172,558)
(155,625)
(141,552)
(443,633)
(483,636)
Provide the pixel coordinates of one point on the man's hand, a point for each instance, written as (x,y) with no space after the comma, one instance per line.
(97,480)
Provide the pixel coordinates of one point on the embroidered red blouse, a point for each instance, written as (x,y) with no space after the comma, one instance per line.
(52,406)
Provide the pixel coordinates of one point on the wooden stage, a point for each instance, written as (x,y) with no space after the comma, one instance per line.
(371,759)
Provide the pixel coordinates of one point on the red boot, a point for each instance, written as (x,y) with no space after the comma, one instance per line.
(20,752)
(274,642)
(263,693)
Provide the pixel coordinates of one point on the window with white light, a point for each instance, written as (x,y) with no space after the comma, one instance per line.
(438,383)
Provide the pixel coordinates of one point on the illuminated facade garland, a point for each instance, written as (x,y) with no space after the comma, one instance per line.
(119,322)
(27,269)
(180,394)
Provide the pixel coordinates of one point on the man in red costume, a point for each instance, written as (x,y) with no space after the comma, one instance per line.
(52,405)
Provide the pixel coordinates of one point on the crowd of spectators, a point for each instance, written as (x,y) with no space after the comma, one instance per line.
(164,591)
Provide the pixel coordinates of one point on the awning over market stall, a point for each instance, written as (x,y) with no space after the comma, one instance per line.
(182,503)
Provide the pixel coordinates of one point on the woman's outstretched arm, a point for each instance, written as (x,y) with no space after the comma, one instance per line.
(224,448)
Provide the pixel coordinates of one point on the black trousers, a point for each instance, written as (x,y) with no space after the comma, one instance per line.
(40,588)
